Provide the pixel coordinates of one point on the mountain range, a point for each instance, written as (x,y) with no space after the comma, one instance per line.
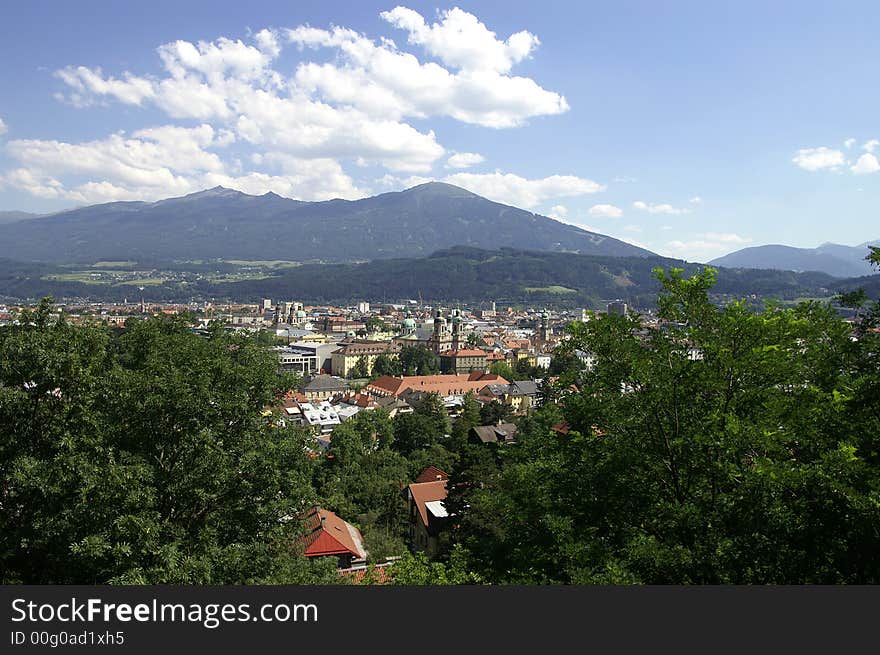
(831,258)
(221,223)
(13,216)
(459,274)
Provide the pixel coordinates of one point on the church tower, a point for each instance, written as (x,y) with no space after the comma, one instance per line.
(456,329)
(545,326)
(440,340)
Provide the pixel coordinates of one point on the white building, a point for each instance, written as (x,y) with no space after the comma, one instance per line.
(321,415)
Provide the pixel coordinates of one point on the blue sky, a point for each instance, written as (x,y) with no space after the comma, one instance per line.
(691,128)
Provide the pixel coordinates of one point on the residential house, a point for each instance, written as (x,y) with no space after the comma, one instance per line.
(499,433)
(327,535)
(521,395)
(427,514)
(323,387)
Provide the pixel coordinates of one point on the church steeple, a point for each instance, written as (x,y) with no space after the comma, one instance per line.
(456,329)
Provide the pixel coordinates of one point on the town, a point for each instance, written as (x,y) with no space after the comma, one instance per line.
(389,357)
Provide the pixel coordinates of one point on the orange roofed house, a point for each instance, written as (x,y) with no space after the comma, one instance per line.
(427,515)
(328,535)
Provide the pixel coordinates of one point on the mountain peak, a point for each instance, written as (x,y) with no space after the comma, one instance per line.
(438,188)
(215,192)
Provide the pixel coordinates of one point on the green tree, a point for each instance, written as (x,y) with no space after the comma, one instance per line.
(468,418)
(414,432)
(726,446)
(418,360)
(145,458)
(387,365)
(495,412)
(503,369)
(432,407)
(375,324)
(416,569)
(360,368)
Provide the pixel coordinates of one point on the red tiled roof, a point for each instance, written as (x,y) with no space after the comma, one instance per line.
(463,352)
(426,492)
(332,536)
(431,474)
(445,385)
(379,574)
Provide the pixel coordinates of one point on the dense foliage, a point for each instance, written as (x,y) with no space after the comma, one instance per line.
(144,458)
(728,447)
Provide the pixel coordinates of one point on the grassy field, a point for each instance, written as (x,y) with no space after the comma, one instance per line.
(273,263)
(113,264)
(551,289)
(142,282)
(80,276)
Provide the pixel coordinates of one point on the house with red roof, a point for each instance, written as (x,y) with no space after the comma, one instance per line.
(327,535)
(427,514)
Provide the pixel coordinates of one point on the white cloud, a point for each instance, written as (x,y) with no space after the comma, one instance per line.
(88,85)
(460,40)
(381,80)
(814,159)
(696,200)
(395,183)
(464,160)
(867,163)
(3,128)
(704,247)
(870,145)
(512,189)
(849,143)
(559,212)
(159,162)
(296,129)
(659,209)
(608,211)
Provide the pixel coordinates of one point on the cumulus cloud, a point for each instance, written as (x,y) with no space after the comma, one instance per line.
(607,211)
(559,212)
(464,160)
(659,209)
(867,163)
(297,128)
(815,159)
(163,161)
(3,128)
(849,143)
(512,189)
(460,40)
(696,200)
(89,85)
(870,145)
(705,246)
(382,80)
